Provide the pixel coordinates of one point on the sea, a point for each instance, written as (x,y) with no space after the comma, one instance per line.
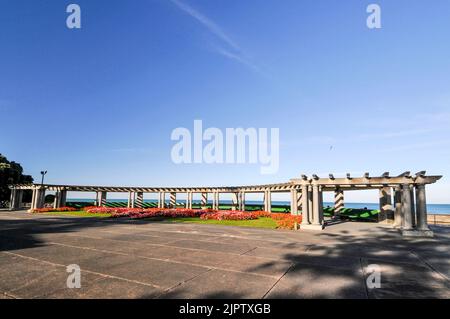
(439,209)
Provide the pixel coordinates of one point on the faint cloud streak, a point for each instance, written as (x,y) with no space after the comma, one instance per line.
(234,52)
(206,22)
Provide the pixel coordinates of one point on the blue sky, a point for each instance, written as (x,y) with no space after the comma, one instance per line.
(98,105)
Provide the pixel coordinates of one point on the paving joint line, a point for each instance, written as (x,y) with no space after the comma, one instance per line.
(276,282)
(447,281)
(364,277)
(183,282)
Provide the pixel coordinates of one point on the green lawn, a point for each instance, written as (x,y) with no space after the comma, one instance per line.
(263,222)
(78,214)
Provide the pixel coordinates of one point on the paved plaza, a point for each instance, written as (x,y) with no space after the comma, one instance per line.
(154,259)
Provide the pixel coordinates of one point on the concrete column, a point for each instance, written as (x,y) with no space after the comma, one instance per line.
(299,201)
(316,205)
(242,208)
(162,200)
(173,200)
(321,219)
(189,200)
(421,208)
(310,204)
(317,209)
(338,200)
(139,200)
(15,201)
(33,200)
(63,198)
(130,202)
(216,200)
(98,199)
(40,198)
(305,206)
(406,208)
(11,199)
(101,198)
(386,210)
(398,207)
(20,199)
(60,199)
(413,208)
(268,201)
(294,202)
(234,201)
(204,200)
(56,200)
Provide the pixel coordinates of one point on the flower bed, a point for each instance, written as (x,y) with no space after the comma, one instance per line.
(138,213)
(111,210)
(166,213)
(229,215)
(286,221)
(51,210)
(283,221)
(261,213)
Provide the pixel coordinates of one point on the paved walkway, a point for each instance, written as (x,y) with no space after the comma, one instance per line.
(148,259)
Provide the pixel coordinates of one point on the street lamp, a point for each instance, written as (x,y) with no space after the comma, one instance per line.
(43,174)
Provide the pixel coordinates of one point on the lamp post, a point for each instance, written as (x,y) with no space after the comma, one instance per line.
(43,174)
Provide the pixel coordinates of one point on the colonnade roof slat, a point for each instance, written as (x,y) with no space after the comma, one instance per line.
(330,183)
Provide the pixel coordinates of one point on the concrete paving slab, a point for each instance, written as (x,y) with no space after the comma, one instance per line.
(407,281)
(160,273)
(278,253)
(54,282)
(220,284)
(209,246)
(17,272)
(62,255)
(306,281)
(107,288)
(242,263)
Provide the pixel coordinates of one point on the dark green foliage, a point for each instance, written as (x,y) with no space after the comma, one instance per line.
(12,173)
(49,199)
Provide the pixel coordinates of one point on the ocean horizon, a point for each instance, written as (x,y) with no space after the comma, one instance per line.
(440,209)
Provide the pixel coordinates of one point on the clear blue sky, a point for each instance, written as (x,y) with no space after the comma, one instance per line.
(98,105)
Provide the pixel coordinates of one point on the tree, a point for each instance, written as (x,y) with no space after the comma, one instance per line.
(11,173)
